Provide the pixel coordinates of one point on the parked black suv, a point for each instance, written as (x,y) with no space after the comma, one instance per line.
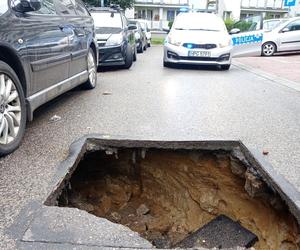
(115,37)
(47,47)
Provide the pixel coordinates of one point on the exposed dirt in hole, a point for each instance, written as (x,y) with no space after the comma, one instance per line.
(170,194)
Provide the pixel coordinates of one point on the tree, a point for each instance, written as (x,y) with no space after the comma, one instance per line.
(124,4)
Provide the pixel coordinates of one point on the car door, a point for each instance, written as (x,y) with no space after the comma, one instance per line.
(289,36)
(130,37)
(47,47)
(74,25)
(249,40)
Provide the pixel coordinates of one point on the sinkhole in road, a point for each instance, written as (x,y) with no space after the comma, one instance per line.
(167,195)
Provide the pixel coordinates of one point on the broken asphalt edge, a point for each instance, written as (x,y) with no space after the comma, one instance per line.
(94,142)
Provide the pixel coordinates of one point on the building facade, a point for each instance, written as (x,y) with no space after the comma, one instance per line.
(158,12)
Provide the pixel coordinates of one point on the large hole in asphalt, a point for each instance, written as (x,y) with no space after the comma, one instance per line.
(175,198)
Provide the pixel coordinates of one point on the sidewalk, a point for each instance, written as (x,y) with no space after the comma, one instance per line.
(283,66)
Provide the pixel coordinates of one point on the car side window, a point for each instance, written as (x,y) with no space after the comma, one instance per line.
(47,8)
(293,26)
(65,7)
(80,8)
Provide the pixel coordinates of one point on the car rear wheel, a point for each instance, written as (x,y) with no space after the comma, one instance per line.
(268,49)
(141,49)
(12,110)
(145,47)
(92,70)
(135,55)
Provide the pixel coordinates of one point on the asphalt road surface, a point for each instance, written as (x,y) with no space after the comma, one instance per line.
(152,102)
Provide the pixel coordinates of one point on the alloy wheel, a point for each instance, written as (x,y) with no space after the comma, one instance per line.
(92,69)
(10,110)
(269,49)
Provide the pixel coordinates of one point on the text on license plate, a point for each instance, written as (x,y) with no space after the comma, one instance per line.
(199,53)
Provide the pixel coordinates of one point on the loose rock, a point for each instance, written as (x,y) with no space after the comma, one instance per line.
(142,210)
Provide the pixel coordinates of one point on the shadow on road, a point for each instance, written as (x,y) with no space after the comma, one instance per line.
(196,67)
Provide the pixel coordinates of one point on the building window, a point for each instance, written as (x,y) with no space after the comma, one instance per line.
(170,15)
(149,14)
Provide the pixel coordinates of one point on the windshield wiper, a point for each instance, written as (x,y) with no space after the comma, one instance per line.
(180,29)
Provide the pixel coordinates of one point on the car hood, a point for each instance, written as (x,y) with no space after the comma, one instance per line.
(103,33)
(199,36)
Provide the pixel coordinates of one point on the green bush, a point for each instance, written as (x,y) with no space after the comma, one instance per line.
(243,25)
(229,24)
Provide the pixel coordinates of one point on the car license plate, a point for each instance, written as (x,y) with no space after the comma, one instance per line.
(198,53)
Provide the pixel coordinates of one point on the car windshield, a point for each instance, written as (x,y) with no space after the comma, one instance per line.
(107,19)
(196,21)
(3,7)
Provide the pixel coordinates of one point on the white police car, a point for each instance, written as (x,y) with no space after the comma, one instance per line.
(202,38)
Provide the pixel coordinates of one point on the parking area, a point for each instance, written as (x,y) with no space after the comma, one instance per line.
(285,66)
(162,104)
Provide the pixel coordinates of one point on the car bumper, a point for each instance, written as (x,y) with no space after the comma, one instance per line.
(112,56)
(179,55)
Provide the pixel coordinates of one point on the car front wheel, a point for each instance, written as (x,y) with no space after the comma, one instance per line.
(12,110)
(225,67)
(128,58)
(92,70)
(268,49)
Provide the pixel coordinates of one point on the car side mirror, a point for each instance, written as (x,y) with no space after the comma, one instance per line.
(132,27)
(285,30)
(26,5)
(234,31)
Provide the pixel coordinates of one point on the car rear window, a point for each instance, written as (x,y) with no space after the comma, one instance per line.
(3,7)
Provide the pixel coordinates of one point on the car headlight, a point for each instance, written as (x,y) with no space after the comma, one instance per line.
(173,41)
(115,39)
(225,43)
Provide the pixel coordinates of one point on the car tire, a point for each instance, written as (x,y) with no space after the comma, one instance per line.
(135,55)
(167,64)
(149,45)
(225,67)
(141,49)
(145,47)
(128,59)
(92,70)
(12,112)
(268,49)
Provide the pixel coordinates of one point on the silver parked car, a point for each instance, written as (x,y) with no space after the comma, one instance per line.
(198,38)
(283,38)
(202,39)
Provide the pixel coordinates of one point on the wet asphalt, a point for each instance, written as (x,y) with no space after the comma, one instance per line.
(152,102)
